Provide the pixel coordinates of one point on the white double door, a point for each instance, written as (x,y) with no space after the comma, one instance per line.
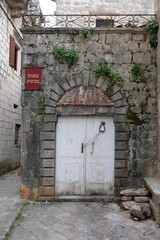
(84,156)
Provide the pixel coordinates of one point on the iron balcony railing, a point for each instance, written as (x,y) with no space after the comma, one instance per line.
(86,21)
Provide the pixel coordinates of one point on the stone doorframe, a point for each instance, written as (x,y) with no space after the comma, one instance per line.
(48,134)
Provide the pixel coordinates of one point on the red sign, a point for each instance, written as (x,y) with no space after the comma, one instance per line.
(33,78)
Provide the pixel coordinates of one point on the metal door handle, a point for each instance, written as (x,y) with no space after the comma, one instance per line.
(82,147)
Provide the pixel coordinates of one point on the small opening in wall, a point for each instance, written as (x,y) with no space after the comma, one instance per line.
(17,134)
(15,105)
(109,23)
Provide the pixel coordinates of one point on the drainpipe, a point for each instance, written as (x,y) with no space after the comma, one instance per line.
(158,88)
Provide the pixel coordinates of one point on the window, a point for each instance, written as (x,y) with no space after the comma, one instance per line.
(104,23)
(13,55)
(17,134)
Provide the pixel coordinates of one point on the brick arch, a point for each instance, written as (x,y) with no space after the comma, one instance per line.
(58,92)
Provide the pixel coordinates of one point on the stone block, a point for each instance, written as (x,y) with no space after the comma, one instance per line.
(48,145)
(135,192)
(79,80)
(72,82)
(49,127)
(127,205)
(47,136)
(121,110)
(50,110)
(105,85)
(121,173)
(138,37)
(121,145)
(105,110)
(127,58)
(133,46)
(109,58)
(46,191)
(156,210)
(47,172)
(65,86)
(140,211)
(49,118)
(142,199)
(100,82)
(48,181)
(127,198)
(58,90)
(118,58)
(120,182)
(120,164)
(86,76)
(120,118)
(47,153)
(48,163)
(120,154)
(51,103)
(121,127)
(116,96)
(121,136)
(120,103)
(144,58)
(54,96)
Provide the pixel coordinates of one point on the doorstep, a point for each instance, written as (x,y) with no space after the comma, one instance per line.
(59,198)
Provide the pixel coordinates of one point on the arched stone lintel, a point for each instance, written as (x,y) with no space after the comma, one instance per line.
(71,103)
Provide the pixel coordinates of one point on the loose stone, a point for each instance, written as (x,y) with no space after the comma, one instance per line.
(135,192)
(142,199)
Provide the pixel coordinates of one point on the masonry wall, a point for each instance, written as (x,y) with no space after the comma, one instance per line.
(158,85)
(135,102)
(106,6)
(10,91)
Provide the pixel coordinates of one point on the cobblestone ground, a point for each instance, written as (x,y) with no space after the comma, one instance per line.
(81,221)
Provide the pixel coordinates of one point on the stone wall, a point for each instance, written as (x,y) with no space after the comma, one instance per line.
(158,85)
(106,6)
(134,102)
(10,91)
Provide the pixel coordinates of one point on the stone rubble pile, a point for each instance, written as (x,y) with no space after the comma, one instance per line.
(137,202)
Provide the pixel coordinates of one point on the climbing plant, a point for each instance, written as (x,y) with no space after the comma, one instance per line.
(41,103)
(101,68)
(69,56)
(152,27)
(137,69)
(84,33)
(138,97)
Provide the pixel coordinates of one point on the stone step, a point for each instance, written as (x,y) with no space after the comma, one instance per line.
(153,184)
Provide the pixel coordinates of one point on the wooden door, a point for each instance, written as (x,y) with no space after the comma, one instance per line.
(85,156)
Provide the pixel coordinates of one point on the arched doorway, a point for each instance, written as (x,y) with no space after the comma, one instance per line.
(85,143)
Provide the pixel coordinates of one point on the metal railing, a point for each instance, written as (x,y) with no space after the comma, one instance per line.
(86,21)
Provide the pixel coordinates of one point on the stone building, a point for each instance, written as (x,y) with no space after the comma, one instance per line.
(10,83)
(89,128)
(103,6)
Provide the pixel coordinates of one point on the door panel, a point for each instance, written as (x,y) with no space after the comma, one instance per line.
(69,159)
(100,156)
(87,170)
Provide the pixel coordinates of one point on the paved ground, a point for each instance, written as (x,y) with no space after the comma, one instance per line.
(10,203)
(68,220)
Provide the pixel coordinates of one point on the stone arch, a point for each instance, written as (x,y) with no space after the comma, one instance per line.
(54,101)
